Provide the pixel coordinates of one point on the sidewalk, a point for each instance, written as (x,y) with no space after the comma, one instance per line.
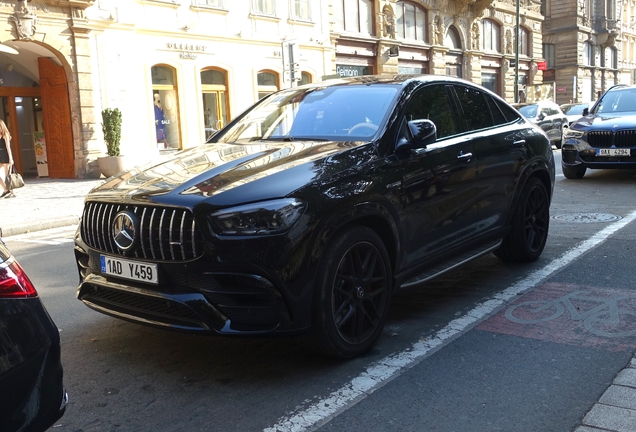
(44,203)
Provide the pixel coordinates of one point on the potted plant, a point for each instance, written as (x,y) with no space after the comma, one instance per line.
(114,163)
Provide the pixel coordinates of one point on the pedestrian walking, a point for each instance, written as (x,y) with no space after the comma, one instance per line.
(6,159)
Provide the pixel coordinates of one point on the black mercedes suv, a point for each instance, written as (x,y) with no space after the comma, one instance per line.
(305,213)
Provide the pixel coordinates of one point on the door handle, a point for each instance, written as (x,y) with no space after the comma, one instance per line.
(465,156)
(519,143)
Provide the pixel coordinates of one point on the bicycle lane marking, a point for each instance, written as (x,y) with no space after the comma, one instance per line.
(385,370)
(587,316)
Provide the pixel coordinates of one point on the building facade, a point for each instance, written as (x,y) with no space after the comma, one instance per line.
(582,46)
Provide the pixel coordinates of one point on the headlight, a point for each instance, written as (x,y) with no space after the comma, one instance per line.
(262,218)
(571,133)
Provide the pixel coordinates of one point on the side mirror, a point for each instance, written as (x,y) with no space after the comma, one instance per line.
(541,116)
(424,132)
(586,112)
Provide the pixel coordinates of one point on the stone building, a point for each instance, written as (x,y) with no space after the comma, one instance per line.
(627,55)
(473,40)
(582,44)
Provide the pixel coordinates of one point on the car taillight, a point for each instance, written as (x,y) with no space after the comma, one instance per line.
(15,283)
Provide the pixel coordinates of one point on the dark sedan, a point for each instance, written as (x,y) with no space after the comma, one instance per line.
(605,137)
(548,116)
(32,395)
(304,214)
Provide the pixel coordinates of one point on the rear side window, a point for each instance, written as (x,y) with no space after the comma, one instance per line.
(476,111)
(509,112)
(497,115)
(432,103)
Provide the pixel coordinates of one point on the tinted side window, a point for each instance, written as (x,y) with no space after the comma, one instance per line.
(497,115)
(476,112)
(432,103)
(509,112)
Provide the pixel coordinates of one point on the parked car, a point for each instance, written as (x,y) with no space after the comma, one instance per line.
(575,111)
(307,211)
(548,116)
(605,137)
(32,394)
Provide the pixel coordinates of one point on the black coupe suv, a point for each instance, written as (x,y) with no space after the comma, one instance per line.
(605,137)
(306,212)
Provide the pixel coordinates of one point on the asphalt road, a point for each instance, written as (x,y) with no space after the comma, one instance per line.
(450,359)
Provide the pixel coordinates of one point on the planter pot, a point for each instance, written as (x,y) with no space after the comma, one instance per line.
(111,165)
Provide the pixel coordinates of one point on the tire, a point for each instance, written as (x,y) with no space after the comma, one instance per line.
(352,294)
(529,227)
(573,173)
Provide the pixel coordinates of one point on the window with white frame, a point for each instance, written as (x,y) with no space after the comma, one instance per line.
(588,54)
(410,21)
(610,58)
(301,10)
(220,4)
(490,36)
(524,42)
(354,16)
(264,7)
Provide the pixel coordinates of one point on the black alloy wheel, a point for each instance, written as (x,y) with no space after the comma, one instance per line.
(353,294)
(529,231)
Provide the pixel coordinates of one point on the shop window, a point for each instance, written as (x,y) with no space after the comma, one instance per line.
(524,45)
(454,70)
(490,36)
(410,21)
(588,54)
(353,16)
(452,39)
(165,99)
(267,83)
(305,78)
(301,10)
(549,54)
(264,7)
(214,93)
(489,80)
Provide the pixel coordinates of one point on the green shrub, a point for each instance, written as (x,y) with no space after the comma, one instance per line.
(111,126)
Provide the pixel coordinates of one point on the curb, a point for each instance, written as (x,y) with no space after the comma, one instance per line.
(11,230)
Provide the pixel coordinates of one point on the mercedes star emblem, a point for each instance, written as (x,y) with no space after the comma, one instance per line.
(125,230)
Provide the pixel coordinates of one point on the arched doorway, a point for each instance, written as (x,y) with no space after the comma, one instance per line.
(34,104)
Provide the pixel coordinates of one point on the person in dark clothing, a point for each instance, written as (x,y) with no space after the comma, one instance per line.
(6,159)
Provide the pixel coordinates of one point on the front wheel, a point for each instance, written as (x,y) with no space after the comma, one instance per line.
(529,228)
(353,294)
(574,173)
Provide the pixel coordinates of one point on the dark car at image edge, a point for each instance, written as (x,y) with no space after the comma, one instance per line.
(604,137)
(32,394)
(306,212)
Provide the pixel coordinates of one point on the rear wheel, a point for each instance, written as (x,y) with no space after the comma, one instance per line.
(353,294)
(530,222)
(573,173)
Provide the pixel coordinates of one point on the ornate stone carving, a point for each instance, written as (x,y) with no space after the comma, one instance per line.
(508,41)
(25,20)
(474,36)
(388,22)
(438,26)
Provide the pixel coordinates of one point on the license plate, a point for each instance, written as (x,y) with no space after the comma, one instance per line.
(133,270)
(613,152)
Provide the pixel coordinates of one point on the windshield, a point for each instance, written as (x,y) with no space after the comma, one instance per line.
(337,112)
(617,101)
(529,110)
(575,109)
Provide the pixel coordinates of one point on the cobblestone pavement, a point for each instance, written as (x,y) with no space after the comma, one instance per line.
(43,204)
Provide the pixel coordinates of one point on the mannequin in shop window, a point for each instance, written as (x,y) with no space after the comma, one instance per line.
(160,122)
(6,159)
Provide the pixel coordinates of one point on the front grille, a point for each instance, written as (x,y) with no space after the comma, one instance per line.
(607,139)
(164,233)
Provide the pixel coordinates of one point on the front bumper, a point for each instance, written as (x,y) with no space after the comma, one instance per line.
(573,156)
(199,296)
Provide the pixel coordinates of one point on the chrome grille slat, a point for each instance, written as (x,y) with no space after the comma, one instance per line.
(162,231)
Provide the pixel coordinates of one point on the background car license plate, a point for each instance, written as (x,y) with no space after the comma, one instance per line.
(135,270)
(612,152)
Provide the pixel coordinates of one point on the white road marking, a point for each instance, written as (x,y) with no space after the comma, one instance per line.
(383,371)
(53,236)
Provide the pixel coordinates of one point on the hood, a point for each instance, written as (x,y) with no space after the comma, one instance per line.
(619,120)
(227,174)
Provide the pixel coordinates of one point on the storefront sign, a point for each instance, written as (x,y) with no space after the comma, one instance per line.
(39,145)
(352,71)
(561,89)
(186,50)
